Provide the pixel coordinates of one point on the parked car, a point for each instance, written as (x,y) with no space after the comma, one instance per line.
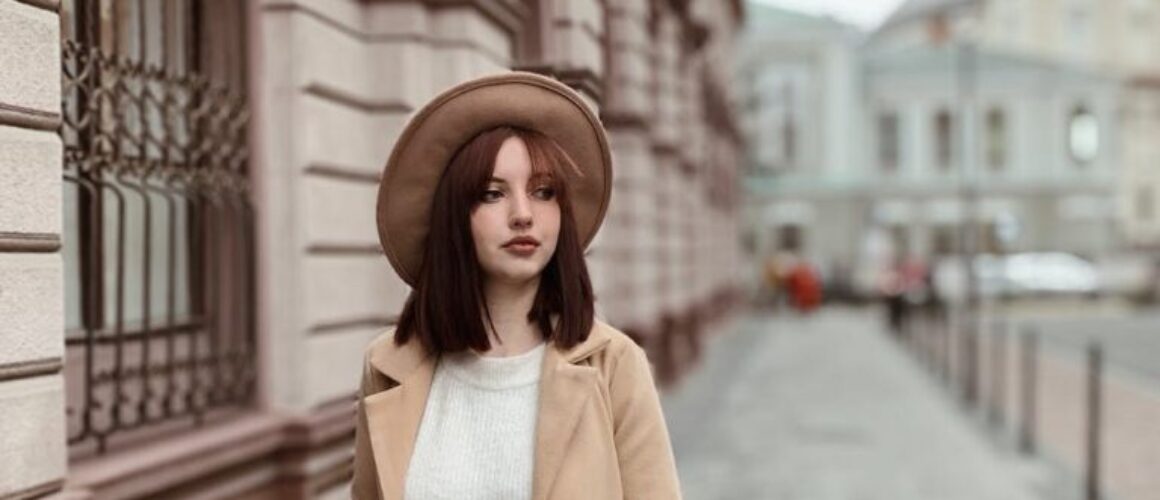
(1020,274)
(1049,273)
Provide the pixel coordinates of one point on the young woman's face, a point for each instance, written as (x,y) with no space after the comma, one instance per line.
(517,221)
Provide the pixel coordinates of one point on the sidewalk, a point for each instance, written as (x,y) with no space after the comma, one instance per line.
(828,407)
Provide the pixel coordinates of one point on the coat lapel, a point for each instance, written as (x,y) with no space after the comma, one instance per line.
(564,389)
(393,415)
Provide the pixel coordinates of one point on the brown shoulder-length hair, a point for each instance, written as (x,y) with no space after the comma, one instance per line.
(446,310)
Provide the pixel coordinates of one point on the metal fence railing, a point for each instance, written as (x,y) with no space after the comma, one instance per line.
(952,350)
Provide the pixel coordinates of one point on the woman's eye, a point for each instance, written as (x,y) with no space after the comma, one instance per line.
(544,193)
(490,195)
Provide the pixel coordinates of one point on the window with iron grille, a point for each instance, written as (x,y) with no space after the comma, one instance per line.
(159,228)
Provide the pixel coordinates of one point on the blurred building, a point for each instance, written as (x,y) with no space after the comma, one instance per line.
(968,132)
(799,86)
(189,267)
(993,126)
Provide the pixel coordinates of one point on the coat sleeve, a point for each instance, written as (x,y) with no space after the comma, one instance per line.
(647,467)
(365,484)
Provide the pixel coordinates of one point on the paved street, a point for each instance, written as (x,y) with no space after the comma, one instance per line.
(828,407)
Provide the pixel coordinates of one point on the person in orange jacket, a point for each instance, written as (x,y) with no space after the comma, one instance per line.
(804,286)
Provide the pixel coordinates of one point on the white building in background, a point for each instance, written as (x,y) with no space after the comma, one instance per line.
(1139,206)
(988,111)
(1025,136)
(799,85)
(1117,38)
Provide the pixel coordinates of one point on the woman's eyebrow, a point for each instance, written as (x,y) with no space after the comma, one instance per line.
(497,179)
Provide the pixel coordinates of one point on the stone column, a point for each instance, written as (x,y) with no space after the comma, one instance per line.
(666,142)
(33,446)
(572,44)
(627,287)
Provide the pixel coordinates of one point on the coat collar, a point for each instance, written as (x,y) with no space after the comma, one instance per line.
(398,362)
(393,415)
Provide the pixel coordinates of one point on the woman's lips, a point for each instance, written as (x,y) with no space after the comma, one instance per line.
(521,249)
(522,246)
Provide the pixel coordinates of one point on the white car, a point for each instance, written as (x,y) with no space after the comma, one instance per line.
(1021,274)
(1049,273)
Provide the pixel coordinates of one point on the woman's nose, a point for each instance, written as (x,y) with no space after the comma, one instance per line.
(521,213)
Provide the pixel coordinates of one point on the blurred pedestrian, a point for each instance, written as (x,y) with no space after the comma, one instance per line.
(804,287)
(893,292)
(771,279)
(497,364)
(776,273)
(907,288)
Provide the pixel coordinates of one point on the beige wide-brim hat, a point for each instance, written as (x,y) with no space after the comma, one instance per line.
(437,131)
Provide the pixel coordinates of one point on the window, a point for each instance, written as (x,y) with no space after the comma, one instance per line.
(789,140)
(888,157)
(996,139)
(789,127)
(789,238)
(943,240)
(1083,136)
(942,139)
(158,226)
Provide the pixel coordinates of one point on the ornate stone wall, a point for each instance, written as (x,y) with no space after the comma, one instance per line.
(331,83)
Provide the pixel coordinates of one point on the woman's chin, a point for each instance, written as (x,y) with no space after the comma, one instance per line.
(517,274)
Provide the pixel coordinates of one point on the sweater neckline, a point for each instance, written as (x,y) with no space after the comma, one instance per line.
(496,373)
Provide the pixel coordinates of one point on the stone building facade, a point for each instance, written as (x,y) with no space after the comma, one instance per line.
(189,269)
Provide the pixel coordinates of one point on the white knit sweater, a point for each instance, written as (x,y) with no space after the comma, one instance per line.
(477,436)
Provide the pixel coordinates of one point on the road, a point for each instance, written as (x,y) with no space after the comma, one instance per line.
(1131,339)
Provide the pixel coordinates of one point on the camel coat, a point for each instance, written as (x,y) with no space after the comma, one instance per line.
(600,434)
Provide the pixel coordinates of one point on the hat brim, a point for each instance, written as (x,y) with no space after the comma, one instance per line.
(433,135)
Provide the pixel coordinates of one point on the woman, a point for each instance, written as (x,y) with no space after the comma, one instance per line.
(498,383)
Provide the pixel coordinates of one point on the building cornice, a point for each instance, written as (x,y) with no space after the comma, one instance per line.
(11,242)
(22,117)
(583,80)
(508,14)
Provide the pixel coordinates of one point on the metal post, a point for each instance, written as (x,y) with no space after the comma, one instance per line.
(964,362)
(971,359)
(1030,342)
(948,354)
(998,372)
(950,350)
(930,347)
(945,336)
(1095,367)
